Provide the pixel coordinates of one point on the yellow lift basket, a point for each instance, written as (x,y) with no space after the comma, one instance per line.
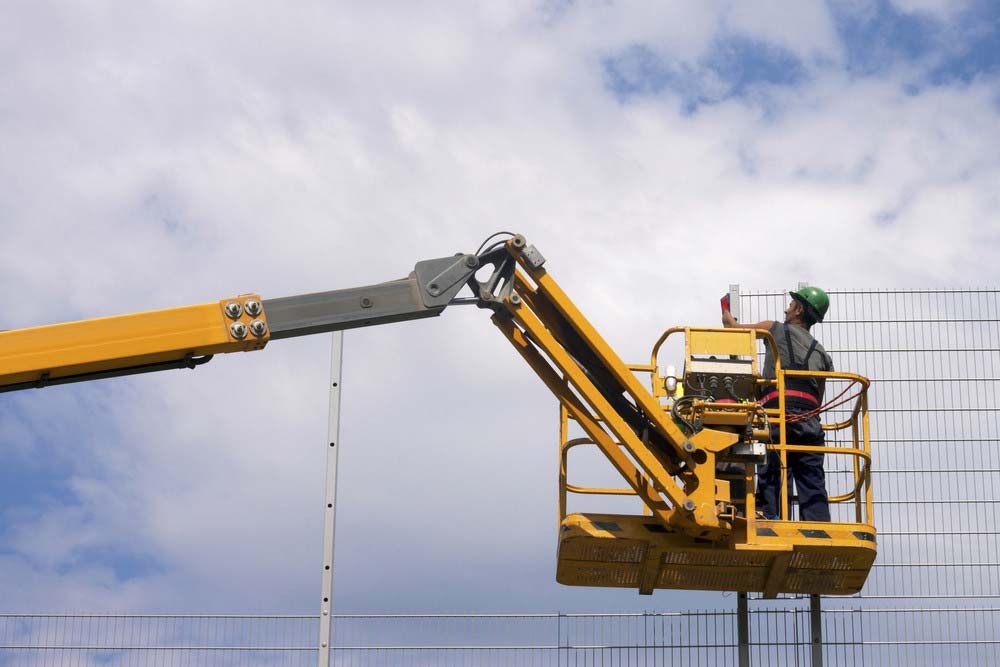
(770,557)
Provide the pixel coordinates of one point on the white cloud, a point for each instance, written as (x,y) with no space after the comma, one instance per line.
(184,153)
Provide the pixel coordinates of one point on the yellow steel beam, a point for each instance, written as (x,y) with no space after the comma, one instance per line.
(626,437)
(640,483)
(867,446)
(563,438)
(108,344)
(707,439)
(699,487)
(564,337)
(776,574)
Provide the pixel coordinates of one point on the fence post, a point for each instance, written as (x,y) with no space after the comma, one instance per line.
(559,617)
(816,630)
(734,301)
(330,498)
(743,628)
(645,638)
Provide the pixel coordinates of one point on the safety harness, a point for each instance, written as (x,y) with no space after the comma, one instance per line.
(799,392)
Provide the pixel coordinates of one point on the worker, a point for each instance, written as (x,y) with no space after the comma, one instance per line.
(798,350)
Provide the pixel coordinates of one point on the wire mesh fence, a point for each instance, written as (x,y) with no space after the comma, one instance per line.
(890,636)
(933,358)
(120,639)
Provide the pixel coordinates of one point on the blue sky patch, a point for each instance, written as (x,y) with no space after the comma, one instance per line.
(734,68)
(882,37)
(33,483)
(41,457)
(123,564)
(875,38)
(946,50)
(744,63)
(29,472)
(635,72)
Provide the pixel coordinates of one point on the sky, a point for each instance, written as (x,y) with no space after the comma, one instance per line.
(158,154)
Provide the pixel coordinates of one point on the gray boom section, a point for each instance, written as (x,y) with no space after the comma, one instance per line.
(425,293)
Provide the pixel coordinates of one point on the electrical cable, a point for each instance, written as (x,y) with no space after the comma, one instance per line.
(675,411)
(491,247)
(490,238)
(834,402)
(728,385)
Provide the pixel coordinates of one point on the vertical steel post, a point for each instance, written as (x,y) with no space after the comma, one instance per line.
(559,659)
(330,497)
(749,469)
(815,612)
(816,630)
(734,301)
(743,628)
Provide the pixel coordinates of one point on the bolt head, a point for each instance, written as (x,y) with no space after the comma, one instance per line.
(366,302)
(258,328)
(238,330)
(234,309)
(472,261)
(689,505)
(253,307)
(515,299)
(688,446)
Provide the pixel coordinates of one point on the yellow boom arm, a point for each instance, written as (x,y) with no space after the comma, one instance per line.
(140,342)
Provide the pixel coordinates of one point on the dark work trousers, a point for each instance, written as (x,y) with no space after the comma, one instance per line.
(806,468)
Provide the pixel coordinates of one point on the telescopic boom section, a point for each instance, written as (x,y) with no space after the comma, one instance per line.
(189,336)
(671,472)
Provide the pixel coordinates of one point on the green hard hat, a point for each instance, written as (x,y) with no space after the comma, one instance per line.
(814,299)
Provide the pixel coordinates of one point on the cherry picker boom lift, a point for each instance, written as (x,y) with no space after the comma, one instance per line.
(693,533)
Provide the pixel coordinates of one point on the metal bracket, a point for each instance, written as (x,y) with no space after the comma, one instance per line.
(440,280)
(650,571)
(500,284)
(534,258)
(745,452)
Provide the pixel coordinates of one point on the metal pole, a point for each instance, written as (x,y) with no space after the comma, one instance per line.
(815,612)
(743,628)
(330,502)
(734,301)
(816,630)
